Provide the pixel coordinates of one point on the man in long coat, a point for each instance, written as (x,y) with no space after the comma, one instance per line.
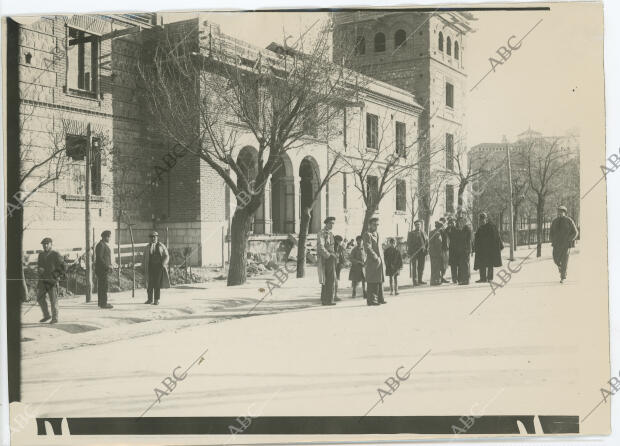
(435,252)
(460,250)
(103,264)
(155,268)
(326,262)
(563,234)
(51,268)
(417,247)
(374,264)
(487,245)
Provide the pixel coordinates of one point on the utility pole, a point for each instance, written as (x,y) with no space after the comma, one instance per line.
(89,278)
(512,235)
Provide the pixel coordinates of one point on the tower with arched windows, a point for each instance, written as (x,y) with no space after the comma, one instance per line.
(423,53)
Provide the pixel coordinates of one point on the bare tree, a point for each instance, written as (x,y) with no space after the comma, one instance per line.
(377,168)
(206,97)
(459,167)
(545,161)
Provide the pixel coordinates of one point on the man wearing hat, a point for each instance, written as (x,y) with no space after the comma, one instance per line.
(51,268)
(103,265)
(487,245)
(326,262)
(417,247)
(563,234)
(374,264)
(155,268)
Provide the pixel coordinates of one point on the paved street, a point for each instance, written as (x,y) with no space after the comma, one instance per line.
(293,356)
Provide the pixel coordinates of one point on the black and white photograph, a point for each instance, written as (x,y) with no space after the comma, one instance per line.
(293,226)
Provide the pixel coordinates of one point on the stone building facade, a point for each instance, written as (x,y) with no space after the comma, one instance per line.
(80,74)
(78,79)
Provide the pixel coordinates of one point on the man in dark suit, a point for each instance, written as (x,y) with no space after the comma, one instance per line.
(374,264)
(103,265)
(155,269)
(563,234)
(488,246)
(51,268)
(417,247)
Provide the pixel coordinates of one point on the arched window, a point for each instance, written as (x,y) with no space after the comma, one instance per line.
(379,42)
(440,43)
(456,50)
(449,46)
(360,45)
(400,37)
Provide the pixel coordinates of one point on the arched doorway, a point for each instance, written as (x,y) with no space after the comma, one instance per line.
(283,198)
(247,161)
(308,185)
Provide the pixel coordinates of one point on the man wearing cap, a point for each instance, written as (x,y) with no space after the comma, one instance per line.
(155,268)
(417,247)
(326,262)
(51,268)
(487,245)
(563,234)
(374,264)
(103,265)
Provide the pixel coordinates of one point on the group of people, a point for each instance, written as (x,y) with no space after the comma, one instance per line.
(51,268)
(450,243)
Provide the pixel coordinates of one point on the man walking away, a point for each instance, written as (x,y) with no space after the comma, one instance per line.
(155,268)
(51,268)
(460,241)
(103,265)
(326,262)
(563,234)
(417,246)
(487,246)
(435,245)
(374,264)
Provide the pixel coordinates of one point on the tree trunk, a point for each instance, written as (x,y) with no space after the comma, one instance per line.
(514,226)
(462,186)
(304,225)
(367,215)
(540,209)
(239,229)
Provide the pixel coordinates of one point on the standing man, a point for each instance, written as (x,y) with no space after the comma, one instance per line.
(444,249)
(435,251)
(460,245)
(487,245)
(563,234)
(452,261)
(374,264)
(155,268)
(326,262)
(417,246)
(103,264)
(51,268)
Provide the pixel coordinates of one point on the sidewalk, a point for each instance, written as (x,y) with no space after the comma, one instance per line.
(83,324)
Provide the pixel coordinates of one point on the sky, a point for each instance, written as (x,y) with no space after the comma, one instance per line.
(540,85)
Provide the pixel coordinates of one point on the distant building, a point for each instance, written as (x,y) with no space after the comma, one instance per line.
(489,192)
